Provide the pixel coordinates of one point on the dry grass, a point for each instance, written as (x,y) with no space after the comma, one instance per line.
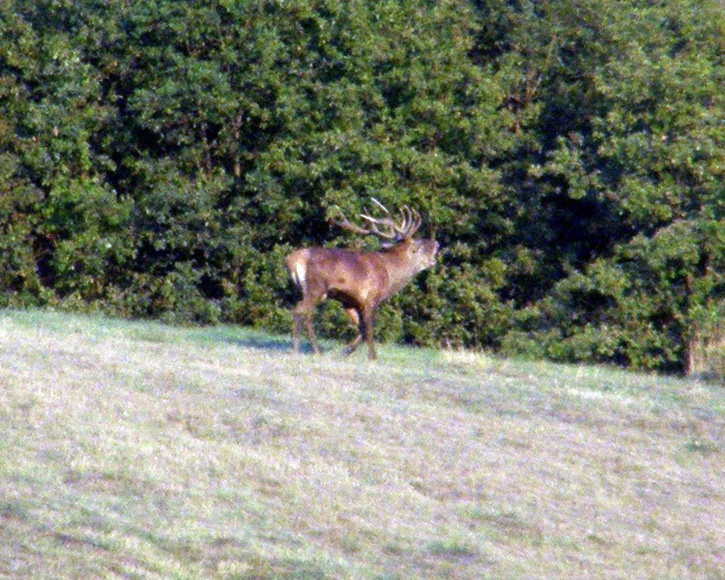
(707,358)
(707,345)
(136,450)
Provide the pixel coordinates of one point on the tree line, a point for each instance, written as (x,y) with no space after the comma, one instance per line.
(159,158)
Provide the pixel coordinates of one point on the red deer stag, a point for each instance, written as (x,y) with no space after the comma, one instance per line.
(359,280)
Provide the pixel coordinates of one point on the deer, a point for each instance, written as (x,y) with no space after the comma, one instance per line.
(359,280)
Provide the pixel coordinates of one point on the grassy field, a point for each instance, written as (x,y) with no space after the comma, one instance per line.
(137,450)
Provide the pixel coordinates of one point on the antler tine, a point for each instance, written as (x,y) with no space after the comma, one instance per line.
(380,205)
(418,222)
(387,222)
(345,224)
(409,219)
(404,213)
(390,234)
(404,223)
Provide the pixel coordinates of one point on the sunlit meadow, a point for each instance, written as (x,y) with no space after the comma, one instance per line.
(137,450)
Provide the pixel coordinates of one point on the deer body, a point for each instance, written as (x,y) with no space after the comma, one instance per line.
(359,280)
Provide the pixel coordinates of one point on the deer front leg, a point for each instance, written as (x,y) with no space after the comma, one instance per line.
(366,330)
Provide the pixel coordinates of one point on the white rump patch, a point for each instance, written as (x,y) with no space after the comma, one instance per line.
(299,274)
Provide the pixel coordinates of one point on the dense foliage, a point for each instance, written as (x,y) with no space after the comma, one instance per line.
(158,158)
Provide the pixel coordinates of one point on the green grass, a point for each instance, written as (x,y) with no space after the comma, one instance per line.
(137,450)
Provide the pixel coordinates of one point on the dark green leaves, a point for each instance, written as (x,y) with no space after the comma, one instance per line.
(159,158)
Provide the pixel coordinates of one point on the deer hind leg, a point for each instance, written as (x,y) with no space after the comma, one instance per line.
(302,314)
(298,318)
(354,316)
(364,321)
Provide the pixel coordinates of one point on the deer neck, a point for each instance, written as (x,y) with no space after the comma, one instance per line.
(399,267)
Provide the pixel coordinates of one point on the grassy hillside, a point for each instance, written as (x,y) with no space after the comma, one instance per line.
(135,450)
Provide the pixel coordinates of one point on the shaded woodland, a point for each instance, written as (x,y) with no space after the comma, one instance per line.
(159,158)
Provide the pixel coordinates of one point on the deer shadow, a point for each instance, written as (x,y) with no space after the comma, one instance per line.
(280,344)
(268,344)
(252,340)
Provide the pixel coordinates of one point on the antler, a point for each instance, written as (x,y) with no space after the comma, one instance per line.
(410,221)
